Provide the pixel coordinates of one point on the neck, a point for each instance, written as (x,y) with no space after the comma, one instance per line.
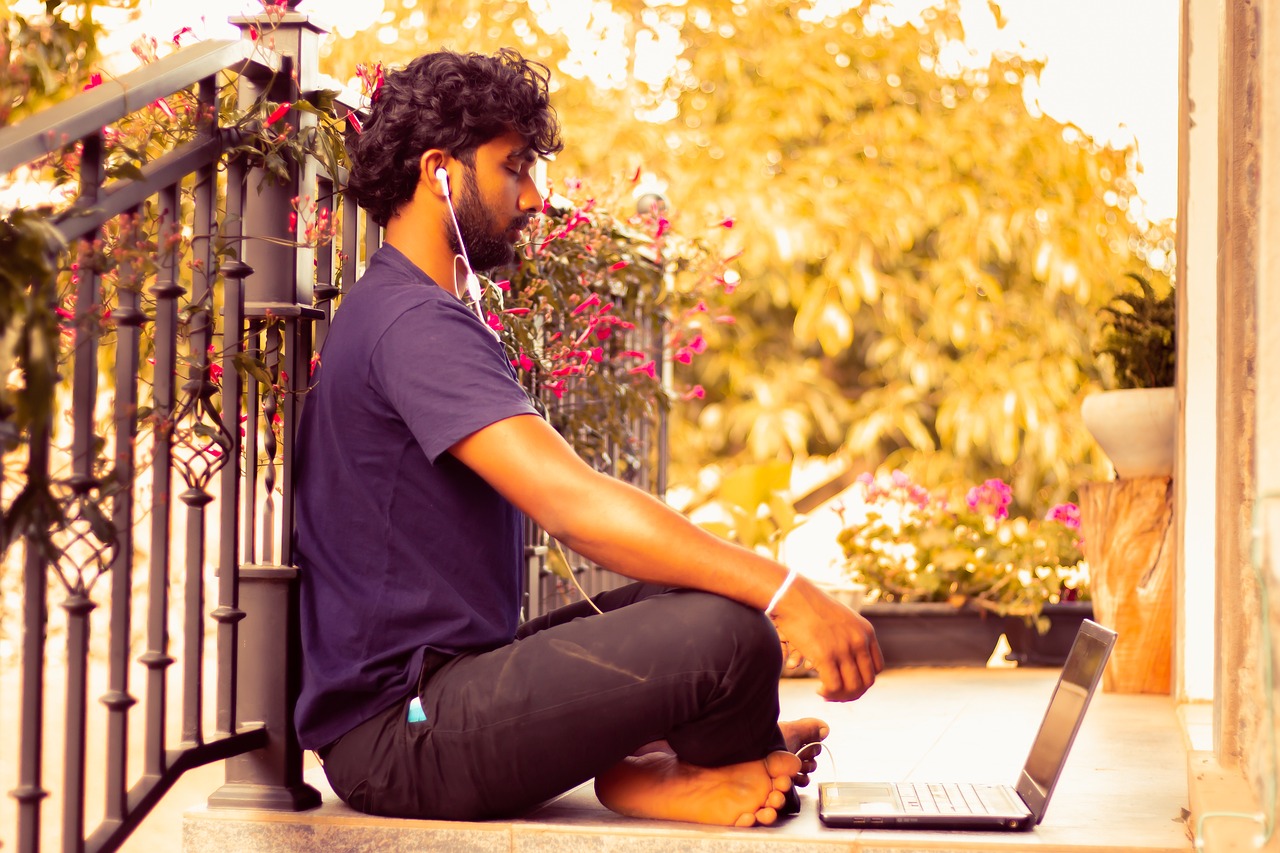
(421,235)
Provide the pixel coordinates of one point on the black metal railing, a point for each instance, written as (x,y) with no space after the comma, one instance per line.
(215,282)
(182,435)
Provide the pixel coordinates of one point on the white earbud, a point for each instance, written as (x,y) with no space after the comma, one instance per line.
(472,282)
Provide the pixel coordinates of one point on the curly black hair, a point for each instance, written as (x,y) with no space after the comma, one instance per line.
(451,101)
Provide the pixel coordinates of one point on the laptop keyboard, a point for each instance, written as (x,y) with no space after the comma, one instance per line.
(952,798)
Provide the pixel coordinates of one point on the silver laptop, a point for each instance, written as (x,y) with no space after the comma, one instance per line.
(923,805)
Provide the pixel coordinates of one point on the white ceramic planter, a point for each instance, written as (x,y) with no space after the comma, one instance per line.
(1135,427)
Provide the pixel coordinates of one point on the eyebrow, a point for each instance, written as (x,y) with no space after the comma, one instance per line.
(524,155)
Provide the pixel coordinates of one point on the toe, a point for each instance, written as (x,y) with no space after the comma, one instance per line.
(766,816)
(775,800)
(745,820)
(782,765)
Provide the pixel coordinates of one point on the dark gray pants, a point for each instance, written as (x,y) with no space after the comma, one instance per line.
(574,694)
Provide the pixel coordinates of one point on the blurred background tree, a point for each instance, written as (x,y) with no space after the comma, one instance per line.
(923,254)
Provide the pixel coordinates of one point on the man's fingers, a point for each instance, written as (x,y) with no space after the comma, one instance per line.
(854,683)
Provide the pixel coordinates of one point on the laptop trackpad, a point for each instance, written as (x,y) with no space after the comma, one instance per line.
(861,799)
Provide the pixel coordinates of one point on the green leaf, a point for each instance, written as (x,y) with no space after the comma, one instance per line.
(248,366)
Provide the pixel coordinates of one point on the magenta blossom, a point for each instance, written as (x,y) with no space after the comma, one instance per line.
(993,496)
(1066,514)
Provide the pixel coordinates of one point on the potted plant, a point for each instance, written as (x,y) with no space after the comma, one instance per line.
(946,581)
(1134,423)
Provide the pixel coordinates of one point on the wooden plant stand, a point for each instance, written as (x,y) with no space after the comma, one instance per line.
(1129,541)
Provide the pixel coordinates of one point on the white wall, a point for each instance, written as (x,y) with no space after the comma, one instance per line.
(1198,349)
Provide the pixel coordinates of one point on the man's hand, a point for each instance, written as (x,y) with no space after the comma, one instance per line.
(839,643)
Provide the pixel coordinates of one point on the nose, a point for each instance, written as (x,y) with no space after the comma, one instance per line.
(530,197)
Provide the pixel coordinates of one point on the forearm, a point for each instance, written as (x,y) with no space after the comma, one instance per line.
(632,533)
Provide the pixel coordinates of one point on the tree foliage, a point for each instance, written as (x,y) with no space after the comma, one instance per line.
(924,255)
(46,54)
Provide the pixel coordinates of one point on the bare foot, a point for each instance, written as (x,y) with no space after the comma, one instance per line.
(659,785)
(798,734)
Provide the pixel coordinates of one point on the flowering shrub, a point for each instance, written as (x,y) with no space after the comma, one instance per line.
(597,303)
(907,545)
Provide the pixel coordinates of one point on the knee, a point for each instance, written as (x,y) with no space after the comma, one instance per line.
(737,631)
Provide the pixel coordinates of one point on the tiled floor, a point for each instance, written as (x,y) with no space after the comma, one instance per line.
(1123,789)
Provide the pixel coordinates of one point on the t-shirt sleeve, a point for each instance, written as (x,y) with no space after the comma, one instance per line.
(445,375)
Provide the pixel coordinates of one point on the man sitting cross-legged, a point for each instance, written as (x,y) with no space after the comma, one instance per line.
(418,451)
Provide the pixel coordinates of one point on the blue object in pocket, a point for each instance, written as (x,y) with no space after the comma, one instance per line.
(416,714)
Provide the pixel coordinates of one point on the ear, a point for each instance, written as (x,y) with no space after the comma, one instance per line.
(431,160)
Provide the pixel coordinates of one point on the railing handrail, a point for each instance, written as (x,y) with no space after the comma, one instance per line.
(114,99)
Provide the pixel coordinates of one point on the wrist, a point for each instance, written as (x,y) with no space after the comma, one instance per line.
(772,609)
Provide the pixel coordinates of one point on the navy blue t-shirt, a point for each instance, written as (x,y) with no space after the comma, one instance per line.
(401,547)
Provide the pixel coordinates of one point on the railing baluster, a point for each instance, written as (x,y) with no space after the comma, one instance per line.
(372,235)
(78,605)
(350,238)
(297,348)
(253,408)
(29,792)
(84,393)
(325,290)
(228,613)
(270,410)
(199,389)
(129,320)
(156,658)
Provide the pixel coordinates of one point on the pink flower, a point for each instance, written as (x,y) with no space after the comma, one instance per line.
(993,496)
(593,299)
(620,265)
(280,112)
(698,344)
(504,285)
(684,355)
(95,80)
(177,37)
(523,362)
(727,319)
(557,388)
(493,322)
(727,223)
(595,354)
(516,312)
(697,391)
(631,353)
(354,121)
(648,368)
(1066,514)
(163,106)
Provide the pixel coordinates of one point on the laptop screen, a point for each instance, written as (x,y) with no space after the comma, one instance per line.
(1080,676)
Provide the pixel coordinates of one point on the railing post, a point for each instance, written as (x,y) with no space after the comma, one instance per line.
(280,286)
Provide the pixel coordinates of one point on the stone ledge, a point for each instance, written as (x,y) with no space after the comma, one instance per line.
(1224,791)
(1123,791)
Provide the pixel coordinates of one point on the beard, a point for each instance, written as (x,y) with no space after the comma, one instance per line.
(484,249)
